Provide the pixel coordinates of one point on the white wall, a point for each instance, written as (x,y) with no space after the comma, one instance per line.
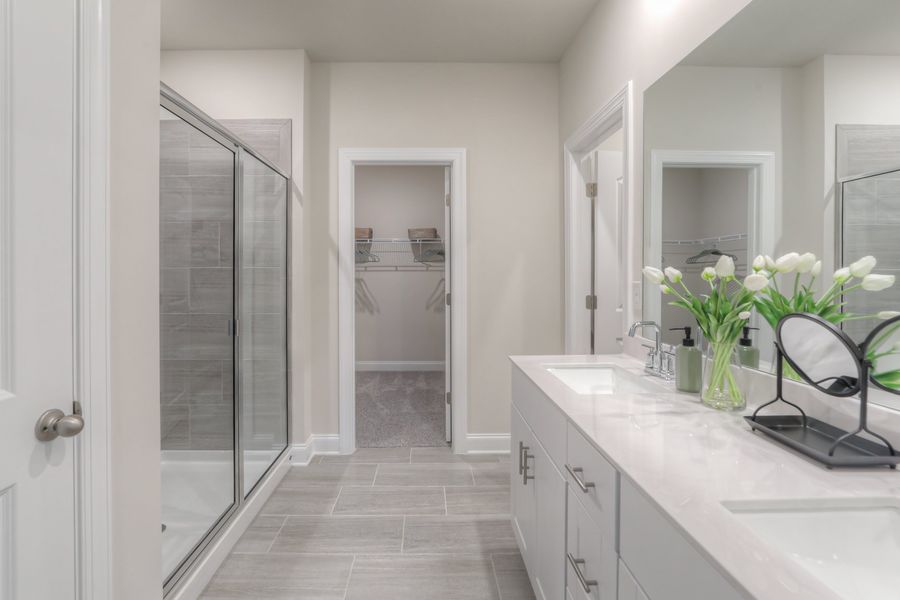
(632,40)
(403,318)
(506,116)
(134,300)
(261,84)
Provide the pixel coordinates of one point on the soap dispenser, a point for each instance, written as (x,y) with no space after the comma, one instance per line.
(688,364)
(747,354)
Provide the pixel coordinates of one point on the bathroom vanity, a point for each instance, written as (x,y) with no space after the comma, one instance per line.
(624,488)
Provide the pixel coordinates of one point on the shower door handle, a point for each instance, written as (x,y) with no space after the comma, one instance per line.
(55,423)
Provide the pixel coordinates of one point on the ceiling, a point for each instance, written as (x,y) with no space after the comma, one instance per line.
(790,33)
(380,30)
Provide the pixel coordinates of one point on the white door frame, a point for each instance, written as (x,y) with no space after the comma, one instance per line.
(348,159)
(92,452)
(616,113)
(762,202)
(91,273)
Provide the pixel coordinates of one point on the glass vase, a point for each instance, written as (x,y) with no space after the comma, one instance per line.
(722,376)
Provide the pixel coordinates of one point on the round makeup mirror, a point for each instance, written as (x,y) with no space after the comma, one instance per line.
(823,355)
(882,350)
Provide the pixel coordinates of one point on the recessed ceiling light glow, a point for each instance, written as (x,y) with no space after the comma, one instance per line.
(660,7)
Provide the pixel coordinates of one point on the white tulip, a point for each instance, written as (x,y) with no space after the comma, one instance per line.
(787,263)
(770,263)
(816,269)
(755,282)
(653,274)
(806,263)
(841,275)
(888,314)
(876,283)
(665,289)
(709,274)
(863,266)
(673,274)
(725,267)
(744,315)
(759,263)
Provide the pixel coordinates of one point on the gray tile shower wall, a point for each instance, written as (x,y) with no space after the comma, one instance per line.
(196,290)
(197,266)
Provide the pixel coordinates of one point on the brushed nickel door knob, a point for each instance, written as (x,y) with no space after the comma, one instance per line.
(55,423)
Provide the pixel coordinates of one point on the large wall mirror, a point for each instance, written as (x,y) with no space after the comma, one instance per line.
(779,134)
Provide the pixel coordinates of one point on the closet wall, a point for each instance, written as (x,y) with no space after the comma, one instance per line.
(399,314)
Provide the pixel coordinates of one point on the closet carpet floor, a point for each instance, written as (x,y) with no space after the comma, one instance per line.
(400,409)
(382,524)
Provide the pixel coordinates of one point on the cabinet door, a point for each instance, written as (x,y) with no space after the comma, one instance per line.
(628,587)
(550,546)
(522,492)
(592,564)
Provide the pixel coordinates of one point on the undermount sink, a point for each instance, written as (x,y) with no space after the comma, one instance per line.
(600,379)
(851,545)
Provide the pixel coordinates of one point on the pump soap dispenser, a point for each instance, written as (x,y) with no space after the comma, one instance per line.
(688,364)
(747,354)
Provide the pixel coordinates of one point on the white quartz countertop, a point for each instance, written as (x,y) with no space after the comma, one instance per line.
(689,459)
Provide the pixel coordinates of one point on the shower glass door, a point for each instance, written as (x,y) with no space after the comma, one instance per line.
(262,317)
(197,349)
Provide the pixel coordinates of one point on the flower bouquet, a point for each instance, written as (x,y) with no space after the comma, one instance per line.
(773,303)
(720,316)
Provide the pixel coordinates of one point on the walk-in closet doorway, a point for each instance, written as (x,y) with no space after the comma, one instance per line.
(402,335)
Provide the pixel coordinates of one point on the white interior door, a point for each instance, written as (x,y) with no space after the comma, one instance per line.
(585,342)
(608,252)
(448,411)
(37,334)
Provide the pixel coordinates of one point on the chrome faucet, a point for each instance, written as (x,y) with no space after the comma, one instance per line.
(659,362)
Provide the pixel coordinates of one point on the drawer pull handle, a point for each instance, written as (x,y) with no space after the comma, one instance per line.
(525,457)
(522,449)
(576,563)
(574,471)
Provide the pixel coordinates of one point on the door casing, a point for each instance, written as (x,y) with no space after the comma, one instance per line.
(348,160)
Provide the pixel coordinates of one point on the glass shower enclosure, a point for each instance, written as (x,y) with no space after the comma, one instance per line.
(224,261)
(869,223)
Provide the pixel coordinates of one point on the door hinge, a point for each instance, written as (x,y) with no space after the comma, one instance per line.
(447,299)
(447,199)
(233,328)
(590,302)
(590,190)
(448,397)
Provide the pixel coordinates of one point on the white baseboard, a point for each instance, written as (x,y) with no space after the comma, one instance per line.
(200,575)
(317,443)
(399,365)
(487,443)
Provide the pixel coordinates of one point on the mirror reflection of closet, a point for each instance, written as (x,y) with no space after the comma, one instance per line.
(701,221)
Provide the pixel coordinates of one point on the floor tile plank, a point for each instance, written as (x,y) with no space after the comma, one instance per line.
(388,500)
(458,535)
(340,535)
(420,577)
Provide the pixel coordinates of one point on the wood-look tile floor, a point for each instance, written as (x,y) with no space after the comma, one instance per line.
(382,524)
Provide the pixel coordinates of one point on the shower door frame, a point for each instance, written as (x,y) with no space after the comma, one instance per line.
(193,116)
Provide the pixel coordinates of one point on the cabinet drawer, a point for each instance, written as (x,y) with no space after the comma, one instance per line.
(591,561)
(662,560)
(543,417)
(628,587)
(592,480)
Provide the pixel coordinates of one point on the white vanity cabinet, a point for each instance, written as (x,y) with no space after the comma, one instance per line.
(538,496)
(585,531)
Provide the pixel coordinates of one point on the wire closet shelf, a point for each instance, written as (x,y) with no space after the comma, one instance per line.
(400,255)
